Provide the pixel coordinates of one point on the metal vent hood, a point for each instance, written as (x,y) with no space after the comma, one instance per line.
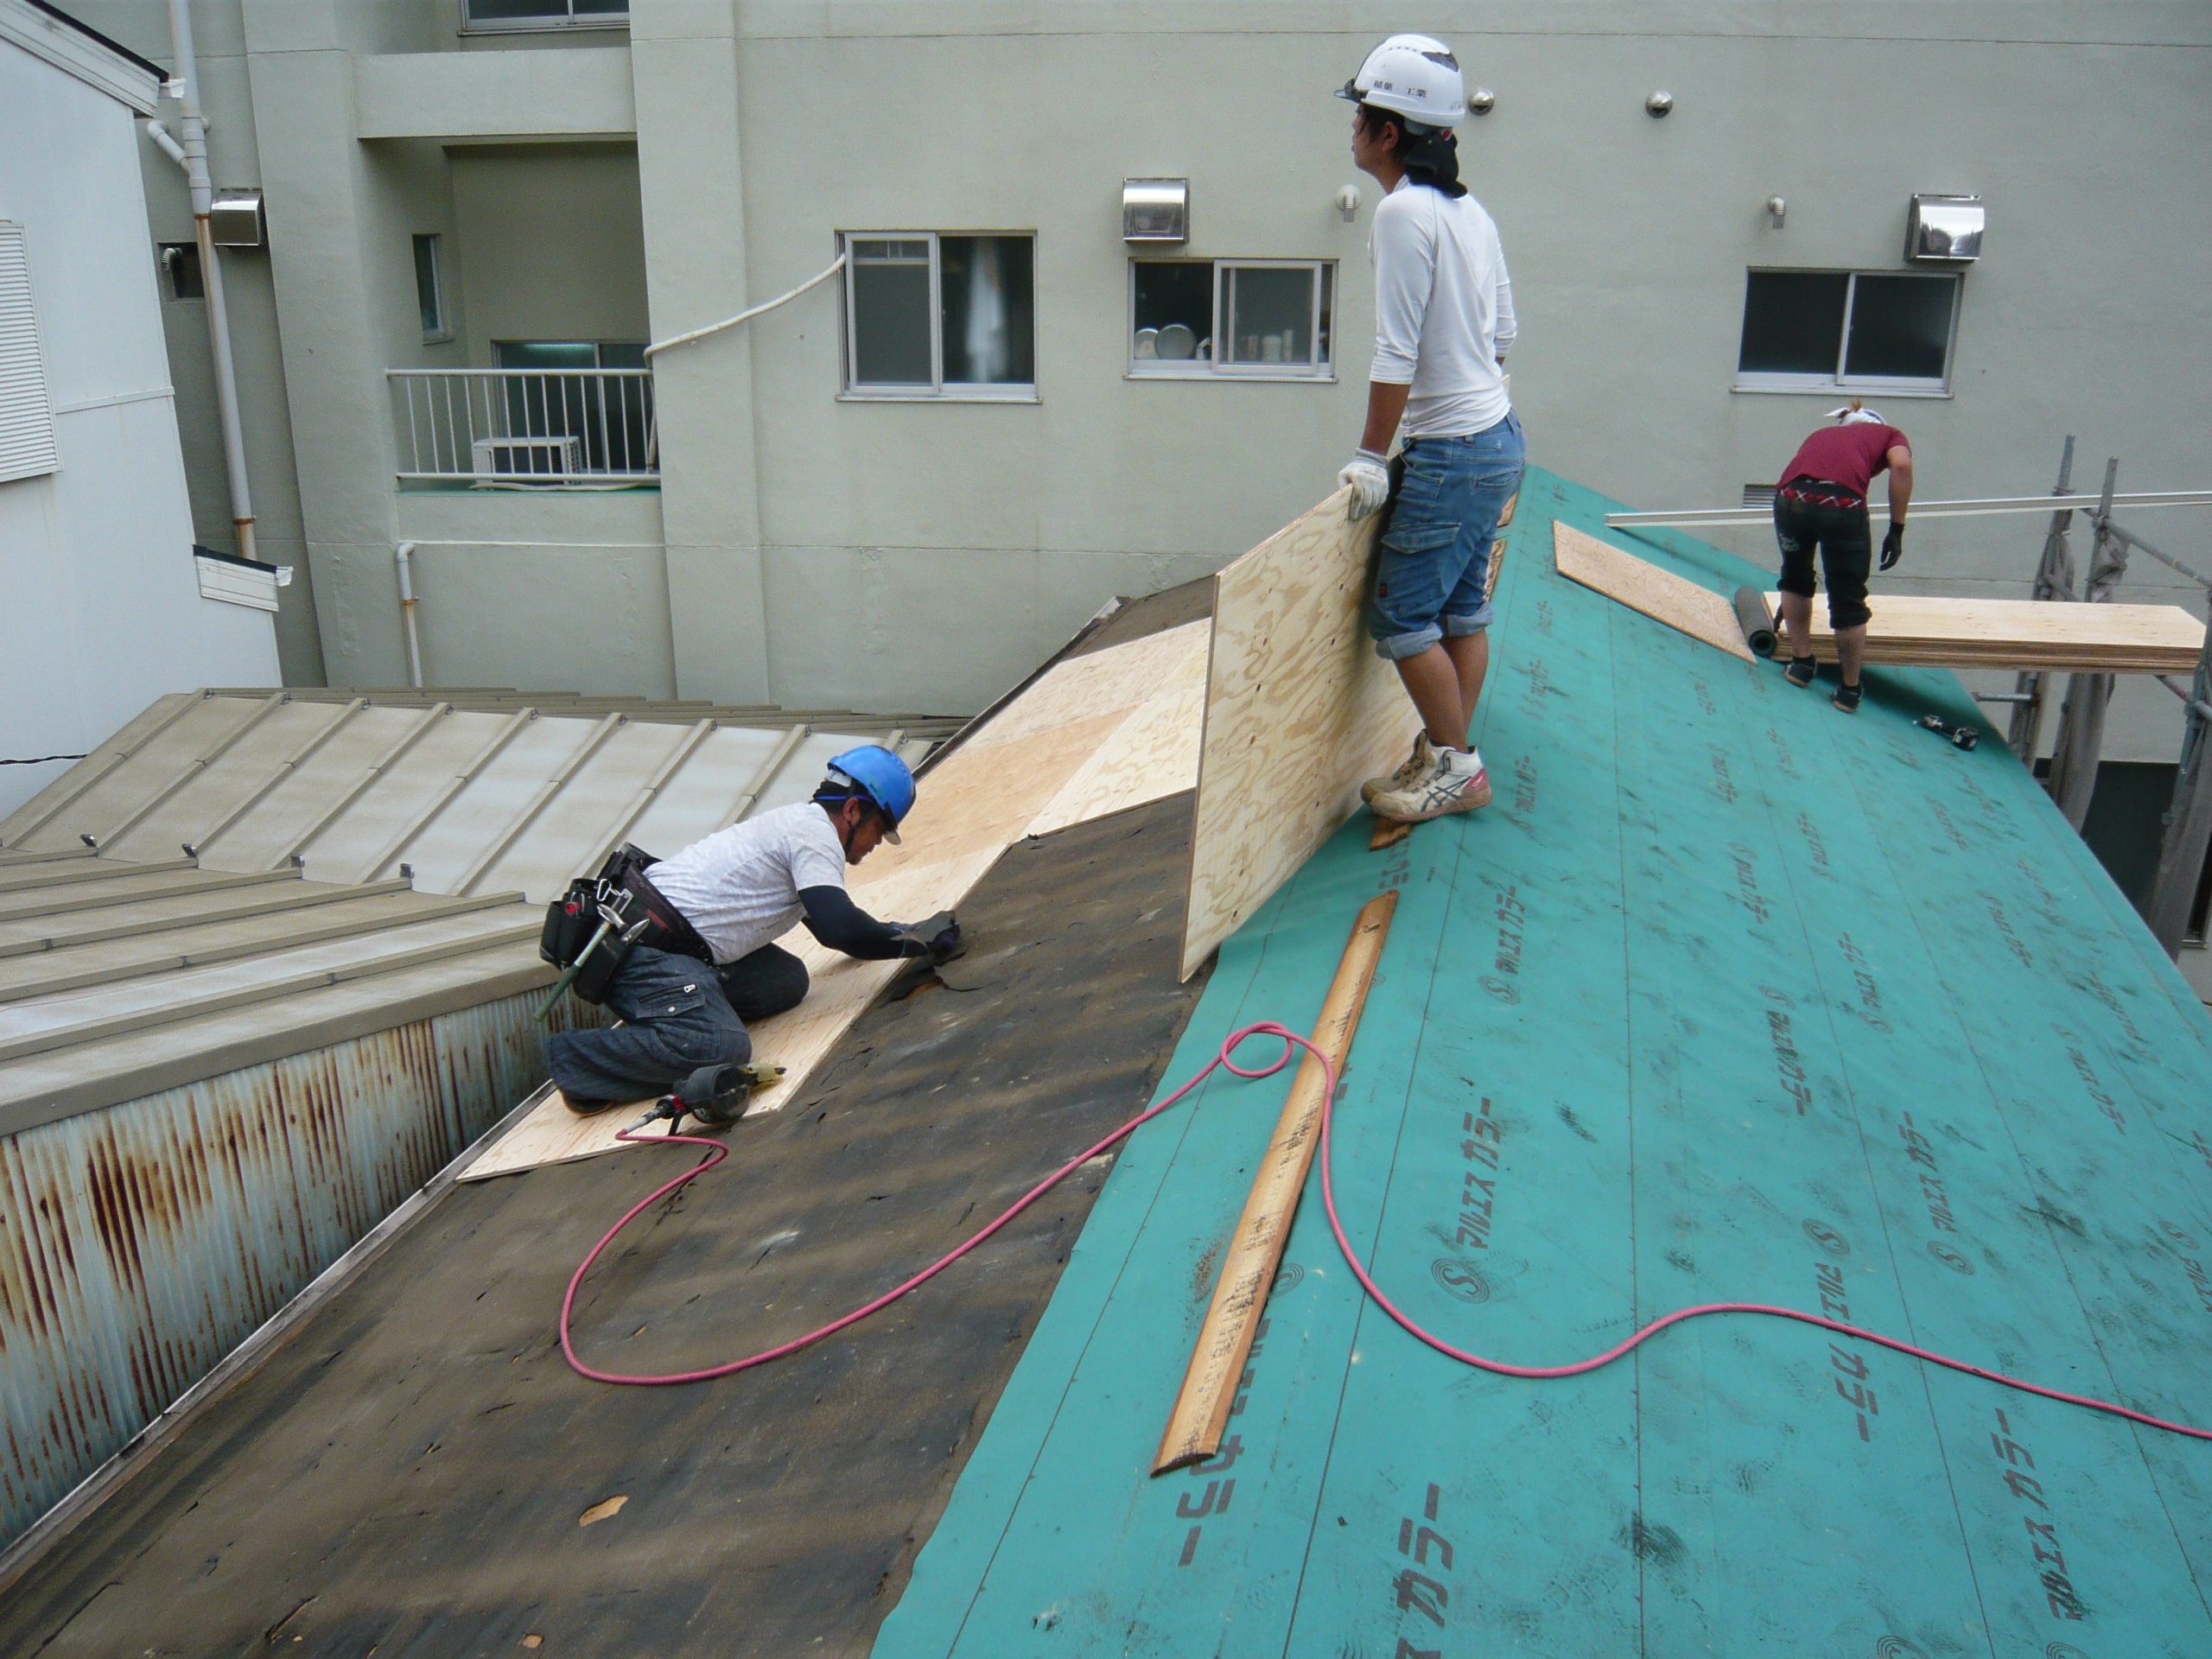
(1943,229)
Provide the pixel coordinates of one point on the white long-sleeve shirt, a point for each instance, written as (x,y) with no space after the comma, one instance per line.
(1443,310)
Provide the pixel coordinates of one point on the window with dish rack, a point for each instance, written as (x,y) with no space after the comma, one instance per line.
(1235,319)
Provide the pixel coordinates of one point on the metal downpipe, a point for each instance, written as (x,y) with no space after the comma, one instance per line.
(192,152)
(403,559)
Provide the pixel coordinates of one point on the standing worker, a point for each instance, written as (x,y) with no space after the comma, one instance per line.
(710,962)
(1443,324)
(1821,499)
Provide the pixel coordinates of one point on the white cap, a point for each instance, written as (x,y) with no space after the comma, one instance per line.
(1854,415)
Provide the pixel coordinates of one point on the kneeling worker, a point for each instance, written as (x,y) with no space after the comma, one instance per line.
(685,993)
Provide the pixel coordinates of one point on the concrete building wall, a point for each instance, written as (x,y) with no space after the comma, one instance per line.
(551,242)
(102,610)
(1630,239)
(825,550)
(264,411)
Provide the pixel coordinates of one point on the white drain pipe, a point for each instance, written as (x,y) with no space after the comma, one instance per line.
(191,155)
(402,557)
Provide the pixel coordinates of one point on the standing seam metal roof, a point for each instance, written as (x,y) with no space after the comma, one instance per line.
(236,876)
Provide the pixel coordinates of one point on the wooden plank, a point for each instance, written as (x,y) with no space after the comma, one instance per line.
(1210,1384)
(1299,711)
(1150,755)
(1934,632)
(1642,586)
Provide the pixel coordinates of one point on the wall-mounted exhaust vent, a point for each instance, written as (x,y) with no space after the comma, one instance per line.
(234,220)
(1155,210)
(1943,229)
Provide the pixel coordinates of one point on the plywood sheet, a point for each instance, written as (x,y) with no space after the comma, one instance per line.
(1927,631)
(1642,586)
(1100,681)
(986,794)
(1299,711)
(1107,721)
(842,992)
(1151,755)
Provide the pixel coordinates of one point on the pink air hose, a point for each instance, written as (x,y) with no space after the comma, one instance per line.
(1292,1042)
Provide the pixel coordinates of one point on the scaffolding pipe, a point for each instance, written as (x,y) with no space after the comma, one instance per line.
(1687,517)
(192,154)
(2054,579)
(2076,755)
(2187,841)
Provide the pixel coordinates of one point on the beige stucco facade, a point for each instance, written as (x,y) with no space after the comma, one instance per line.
(810,548)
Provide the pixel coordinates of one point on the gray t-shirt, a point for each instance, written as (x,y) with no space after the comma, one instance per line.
(740,886)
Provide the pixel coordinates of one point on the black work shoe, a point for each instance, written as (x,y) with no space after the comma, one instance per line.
(1846,698)
(1801,670)
(584,1105)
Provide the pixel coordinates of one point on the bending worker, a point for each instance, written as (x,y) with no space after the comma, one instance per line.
(1822,501)
(685,991)
(1443,323)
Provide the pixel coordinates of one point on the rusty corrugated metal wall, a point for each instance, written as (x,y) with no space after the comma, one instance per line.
(141,1243)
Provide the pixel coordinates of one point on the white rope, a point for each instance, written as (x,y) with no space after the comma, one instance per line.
(835,265)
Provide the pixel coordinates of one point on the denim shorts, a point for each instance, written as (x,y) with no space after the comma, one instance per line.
(1432,565)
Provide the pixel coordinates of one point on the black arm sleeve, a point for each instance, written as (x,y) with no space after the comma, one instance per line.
(841,924)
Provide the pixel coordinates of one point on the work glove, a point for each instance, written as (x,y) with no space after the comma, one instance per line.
(1892,546)
(1369,477)
(939,937)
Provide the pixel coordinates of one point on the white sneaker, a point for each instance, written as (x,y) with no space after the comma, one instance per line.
(1410,770)
(1458,783)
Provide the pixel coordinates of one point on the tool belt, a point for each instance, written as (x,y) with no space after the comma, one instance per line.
(633,911)
(1819,493)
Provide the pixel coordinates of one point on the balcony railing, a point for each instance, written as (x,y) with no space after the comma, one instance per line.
(515,428)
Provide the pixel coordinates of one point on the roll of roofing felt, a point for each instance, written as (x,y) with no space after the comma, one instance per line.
(1751,614)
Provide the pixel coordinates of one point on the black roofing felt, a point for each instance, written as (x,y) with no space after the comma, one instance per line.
(407,1472)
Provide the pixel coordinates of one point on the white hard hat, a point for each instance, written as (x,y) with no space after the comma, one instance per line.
(1414,76)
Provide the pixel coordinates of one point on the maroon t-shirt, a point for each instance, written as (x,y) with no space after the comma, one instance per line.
(1849,456)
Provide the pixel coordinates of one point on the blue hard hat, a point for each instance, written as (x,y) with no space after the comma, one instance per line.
(880,777)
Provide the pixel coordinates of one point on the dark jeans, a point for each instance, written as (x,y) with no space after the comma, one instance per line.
(678,1015)
(1847,555)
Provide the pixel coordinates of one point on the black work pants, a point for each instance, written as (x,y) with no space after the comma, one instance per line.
(1847,552)
(678,1015)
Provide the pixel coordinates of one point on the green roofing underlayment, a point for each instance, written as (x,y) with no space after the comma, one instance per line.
(1729,996)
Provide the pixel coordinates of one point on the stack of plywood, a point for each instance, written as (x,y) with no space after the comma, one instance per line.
(1931,633)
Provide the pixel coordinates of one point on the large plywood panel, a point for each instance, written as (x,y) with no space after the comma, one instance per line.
(1642,586)
(1118,678)
(1299,711)
(1149,756)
